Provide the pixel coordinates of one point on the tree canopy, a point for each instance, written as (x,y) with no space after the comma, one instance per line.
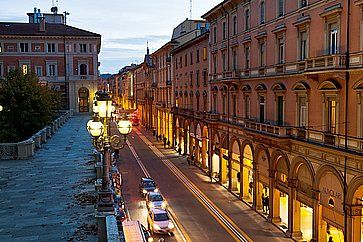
(27,106)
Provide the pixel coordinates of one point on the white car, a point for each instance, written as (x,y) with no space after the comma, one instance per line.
(159,221)
(155,200)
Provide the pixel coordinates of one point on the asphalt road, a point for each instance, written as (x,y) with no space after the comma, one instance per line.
(194,221)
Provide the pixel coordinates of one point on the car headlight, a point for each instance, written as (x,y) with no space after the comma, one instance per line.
(156,190)
(170,225)
(151,205)
(156,227)
(144,191)
(163,205)
(150,239)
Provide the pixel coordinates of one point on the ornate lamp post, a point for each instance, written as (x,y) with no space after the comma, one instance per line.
(103,109)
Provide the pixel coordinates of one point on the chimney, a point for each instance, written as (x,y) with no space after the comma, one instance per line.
(42,25)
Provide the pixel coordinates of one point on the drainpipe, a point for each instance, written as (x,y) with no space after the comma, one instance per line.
(347,77)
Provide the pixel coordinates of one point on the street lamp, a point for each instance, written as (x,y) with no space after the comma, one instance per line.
(103,109)
(1,108)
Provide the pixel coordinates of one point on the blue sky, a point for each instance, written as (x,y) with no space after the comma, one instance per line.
(125,25)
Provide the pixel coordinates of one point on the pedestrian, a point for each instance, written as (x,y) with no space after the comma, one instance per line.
(179,151)
(164,142)
(238,176)
(267,201)
(263,203)
(330,239)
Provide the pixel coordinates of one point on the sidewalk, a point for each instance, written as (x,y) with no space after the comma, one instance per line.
(252,223)
(51,196)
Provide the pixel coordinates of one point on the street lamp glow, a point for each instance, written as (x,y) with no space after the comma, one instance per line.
(95,128)
(1,108)
(124,126)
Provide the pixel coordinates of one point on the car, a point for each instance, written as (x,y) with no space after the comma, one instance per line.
(147,234)
(159,221)
(147,184)
(155,200)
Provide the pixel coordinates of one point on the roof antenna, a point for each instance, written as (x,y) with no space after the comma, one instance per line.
(65,17)
(147,47)
(190,10)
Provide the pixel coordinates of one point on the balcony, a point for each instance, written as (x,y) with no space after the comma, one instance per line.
(154,85)
(279,131)
(81,77)
(212,116)
(335,140)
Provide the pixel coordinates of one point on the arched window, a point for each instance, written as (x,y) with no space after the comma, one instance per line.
(83,69)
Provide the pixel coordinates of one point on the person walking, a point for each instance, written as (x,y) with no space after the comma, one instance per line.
(267,201)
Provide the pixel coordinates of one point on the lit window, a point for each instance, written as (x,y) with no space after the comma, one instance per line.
(331,115)
(24,69)
(204,53)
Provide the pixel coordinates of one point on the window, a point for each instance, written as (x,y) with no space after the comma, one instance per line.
(180,62)
(204,53)
(197,103)
(1,69)
(223,103)
(281,50)
(333,39)
(262,12)
(185,60)
(191,58)
(24,47)
(224,61)
(280,8)
(215,64)
(247,19)
(247,57)
(83,48)
(234,59)
(280,110)
(197,56)
(83,69)
(51,47)
(234,105)
(1,49)
(331,115)
(247,107)
(11,68)
(191,78)
(197,78)
(303,45)
(204,77)
(234,25)
(176,63)
(51,70)
(262,50)
(224,30)
(215,103)
(302,111)
(262,108)
(215,34)
(24,69)
(38,71)
(303,3)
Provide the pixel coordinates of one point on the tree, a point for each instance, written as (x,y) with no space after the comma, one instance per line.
(27,106)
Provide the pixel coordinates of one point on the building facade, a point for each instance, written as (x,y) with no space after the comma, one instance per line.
(191,92)
(285,116)
(63,57)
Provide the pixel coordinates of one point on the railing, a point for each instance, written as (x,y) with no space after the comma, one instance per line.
(280,131)
(82,77)
(212,116)
(26,149)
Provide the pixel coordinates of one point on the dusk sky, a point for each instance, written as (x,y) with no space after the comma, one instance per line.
(125,25)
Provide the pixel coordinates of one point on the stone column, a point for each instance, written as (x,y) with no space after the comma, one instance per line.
(274,200)
(257,192)
(294,230)
(317,219)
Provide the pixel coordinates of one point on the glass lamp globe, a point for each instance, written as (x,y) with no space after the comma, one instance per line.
(124,126)
(105,108)
(95,128)
(1,108)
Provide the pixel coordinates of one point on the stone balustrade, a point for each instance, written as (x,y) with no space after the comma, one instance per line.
(26,149)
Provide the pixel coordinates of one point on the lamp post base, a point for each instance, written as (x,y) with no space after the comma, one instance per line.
(105,201)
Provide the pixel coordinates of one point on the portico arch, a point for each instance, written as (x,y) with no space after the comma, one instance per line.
(198,145)
(205,147)
(355,203)
(261,186)
(247,172)
(329,183)
(235,166)
(216,160)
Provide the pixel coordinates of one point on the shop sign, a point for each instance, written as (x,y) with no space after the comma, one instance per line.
(331,192)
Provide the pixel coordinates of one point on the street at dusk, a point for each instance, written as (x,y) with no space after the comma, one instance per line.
(188,121)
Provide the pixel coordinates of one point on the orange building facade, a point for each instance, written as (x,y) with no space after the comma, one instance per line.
(285,117)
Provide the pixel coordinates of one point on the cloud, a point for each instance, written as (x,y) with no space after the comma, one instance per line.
(11,18)
(138,40)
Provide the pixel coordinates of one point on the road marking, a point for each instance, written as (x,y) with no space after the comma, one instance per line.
(217,213)
(147,174)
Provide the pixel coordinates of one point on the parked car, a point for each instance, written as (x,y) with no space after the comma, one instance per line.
(159,221)
(155,200)
(147,184)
